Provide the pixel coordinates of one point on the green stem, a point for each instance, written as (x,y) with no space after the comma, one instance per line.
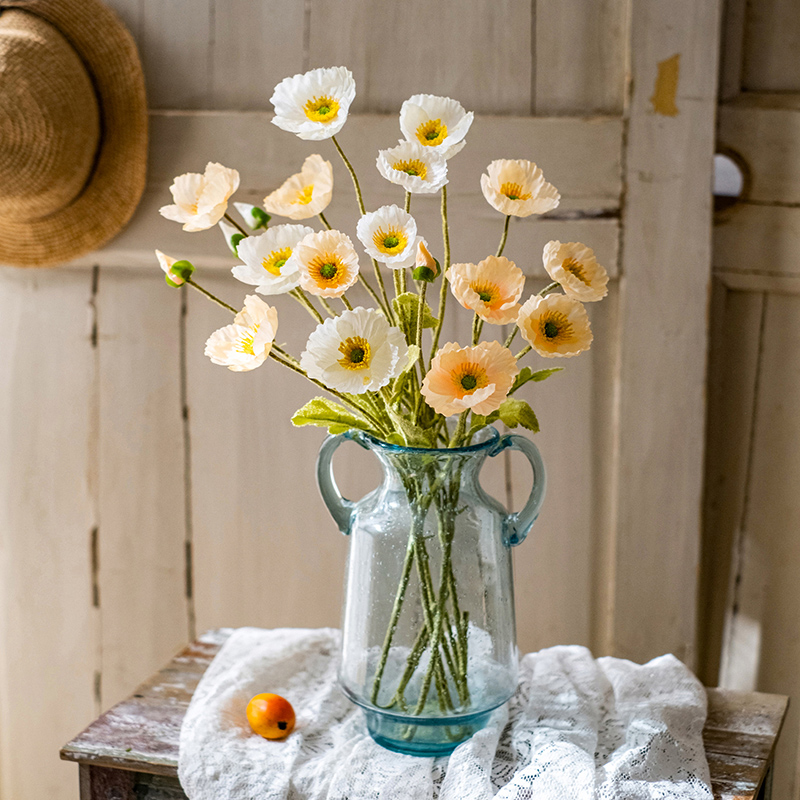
(458,434)
(347,304)
(324,221)
(476,329)
(514,332)
(504,237)
(211,296)
(353,175)
(235,224)
(408,202)
(327,306)
(551,287)
(523,352)
(445,266)
(418,341)
(304,301)
(372,293)
(382,287)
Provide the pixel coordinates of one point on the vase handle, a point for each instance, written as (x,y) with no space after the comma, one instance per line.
(339,507)
(516,526)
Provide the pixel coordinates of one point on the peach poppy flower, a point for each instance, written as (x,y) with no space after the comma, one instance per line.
(574,266)
(327,261)
(555,326)
(518,188)
(491,288)
(476,378)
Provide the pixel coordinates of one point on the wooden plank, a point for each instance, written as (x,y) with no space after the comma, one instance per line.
(772,47)
(766,597)
(732,49)
(142,733)
(765,131)
(659,419)
(175,49)
(141,491)
(254,47)
(758,240)
(580,56)
(733,370)
(755,281)
(48,627)
(581,157)
(481,58)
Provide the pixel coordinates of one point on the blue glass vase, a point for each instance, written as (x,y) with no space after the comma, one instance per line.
(429,642)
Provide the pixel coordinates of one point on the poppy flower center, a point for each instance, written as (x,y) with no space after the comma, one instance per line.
(413,167)
(575,268)
(555,327)
(391,241)
(356,353)
(469,382)
(432,132)
(304,195)
(328,271)
(275,260)
(514,191)
(322,109)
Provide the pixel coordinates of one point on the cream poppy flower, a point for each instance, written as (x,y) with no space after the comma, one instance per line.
(389,235)
(306,194)
(245,345)
(418,169)
(574,266)
(476,378)
(491,288)
(356,352)
(232,235)
(518,188)
(201,200)
(555,325)
(268,260)
(174,277)
(328,263)
(435,122)
(314,105)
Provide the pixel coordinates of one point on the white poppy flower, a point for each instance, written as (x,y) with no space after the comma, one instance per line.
(314,105)
(268,260)
(518,188)
(574,266)
(389,235)
(328,263)
(418,169)
(245,345)
(435,122)
(306,193)
(356,352)
(201,200)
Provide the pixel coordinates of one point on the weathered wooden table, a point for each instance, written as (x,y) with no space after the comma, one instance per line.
(131,752)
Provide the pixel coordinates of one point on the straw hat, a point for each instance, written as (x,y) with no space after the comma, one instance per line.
(73,129)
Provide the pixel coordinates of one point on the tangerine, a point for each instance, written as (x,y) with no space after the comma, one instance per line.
(270,716)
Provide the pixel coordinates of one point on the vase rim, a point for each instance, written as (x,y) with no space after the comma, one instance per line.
(490,432)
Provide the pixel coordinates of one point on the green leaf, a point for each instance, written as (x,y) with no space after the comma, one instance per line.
(527,374)
(413,356)
(326,413)
(478,422)
(406,306)
(412,434)
(515,412)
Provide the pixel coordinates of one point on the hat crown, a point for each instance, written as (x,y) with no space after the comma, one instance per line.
(49,119)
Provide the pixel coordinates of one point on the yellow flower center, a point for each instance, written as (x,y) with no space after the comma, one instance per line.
(356,353)
(575,268)
(246,344)
(432,132)
(412,166)
(489,293)
(391,241)
(322,109)
(327,269)
(469,377)
(275,261)
(555,327)
(513,191)
(304,196)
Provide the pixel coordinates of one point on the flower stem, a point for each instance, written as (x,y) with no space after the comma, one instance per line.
(514,332)
(353,175)
(382,287)
(476,329)
(347,304)
(328,307)
(445,266)
(324,221)
(304,300)
(460,428)
(372,293)
(551,287)
(211,296)
(523,352)
(235,224)
(408,202)
(504,237)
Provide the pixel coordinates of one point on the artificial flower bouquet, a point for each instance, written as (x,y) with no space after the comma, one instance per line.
(383,368)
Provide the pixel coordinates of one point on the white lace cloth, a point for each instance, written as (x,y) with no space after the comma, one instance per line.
(577,728)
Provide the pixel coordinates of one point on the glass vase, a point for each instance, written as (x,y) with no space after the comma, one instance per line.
(428,641)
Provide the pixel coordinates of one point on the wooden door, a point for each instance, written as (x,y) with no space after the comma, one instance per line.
(151,495)
(751,551)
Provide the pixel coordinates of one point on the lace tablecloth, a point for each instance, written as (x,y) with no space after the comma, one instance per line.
(577,728)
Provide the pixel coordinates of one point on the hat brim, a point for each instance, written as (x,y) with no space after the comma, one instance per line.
(115,186)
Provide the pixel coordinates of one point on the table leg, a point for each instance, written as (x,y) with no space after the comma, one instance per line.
(101,783)
(765,793)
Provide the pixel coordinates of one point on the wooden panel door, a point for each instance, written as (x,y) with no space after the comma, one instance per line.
(198,491)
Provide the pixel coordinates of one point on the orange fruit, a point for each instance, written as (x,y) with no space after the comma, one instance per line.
(270,716)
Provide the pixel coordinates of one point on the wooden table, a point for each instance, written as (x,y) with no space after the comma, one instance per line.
(131,752)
